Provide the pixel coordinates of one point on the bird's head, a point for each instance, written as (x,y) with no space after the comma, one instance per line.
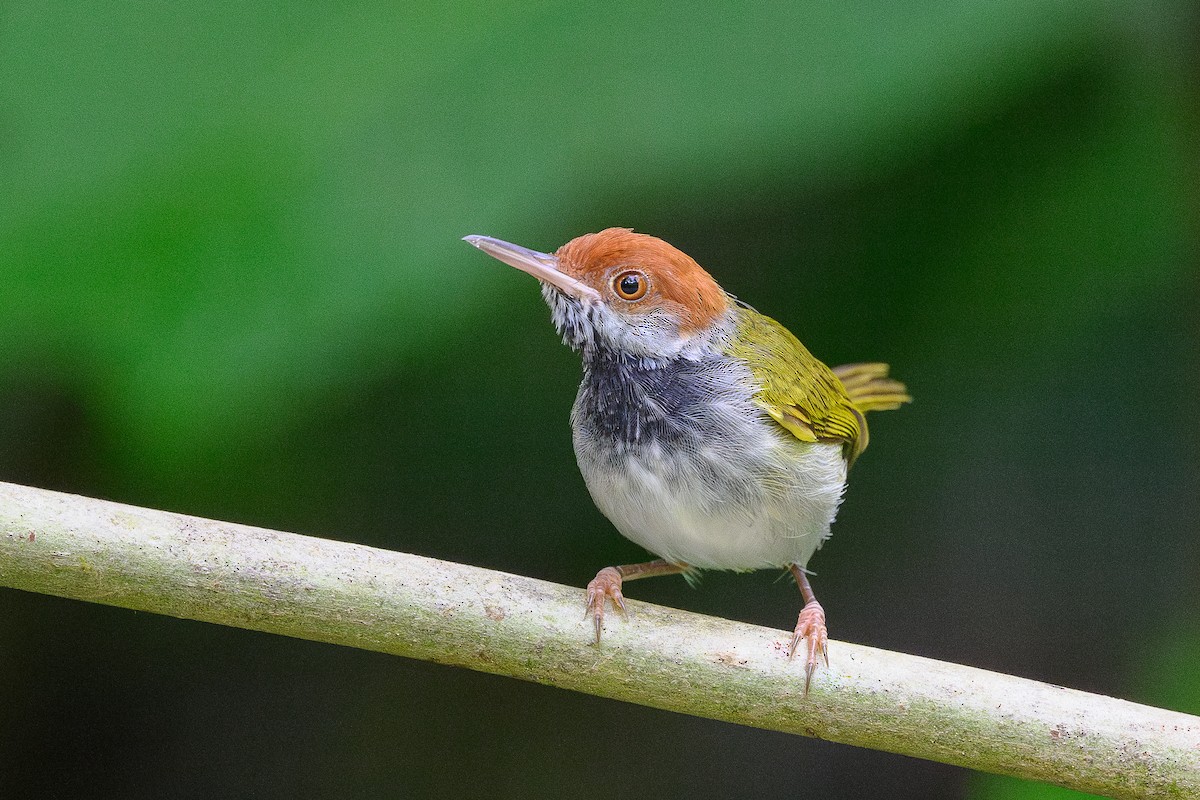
(623,292)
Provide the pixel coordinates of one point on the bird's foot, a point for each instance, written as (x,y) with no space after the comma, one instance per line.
(604,587)
(810,628)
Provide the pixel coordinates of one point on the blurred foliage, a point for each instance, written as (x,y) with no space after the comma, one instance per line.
(232,285)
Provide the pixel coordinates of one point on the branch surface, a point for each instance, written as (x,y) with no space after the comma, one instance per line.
(418,607)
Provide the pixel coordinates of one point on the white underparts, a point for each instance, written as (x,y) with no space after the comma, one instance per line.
(718,485)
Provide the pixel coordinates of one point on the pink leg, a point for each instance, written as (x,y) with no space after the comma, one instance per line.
(810,627)
(607,585)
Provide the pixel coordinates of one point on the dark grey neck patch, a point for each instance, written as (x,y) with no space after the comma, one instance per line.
(636,401)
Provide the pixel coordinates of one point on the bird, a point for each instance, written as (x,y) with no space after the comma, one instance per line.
(703,429)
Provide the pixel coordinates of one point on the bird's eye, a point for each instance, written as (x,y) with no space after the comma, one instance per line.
(630,285)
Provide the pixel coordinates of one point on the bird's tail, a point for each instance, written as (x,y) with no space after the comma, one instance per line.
(870,388)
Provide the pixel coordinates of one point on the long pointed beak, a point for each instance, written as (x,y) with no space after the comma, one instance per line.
(542,266)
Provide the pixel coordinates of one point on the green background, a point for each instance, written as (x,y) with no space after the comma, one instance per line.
(231,284)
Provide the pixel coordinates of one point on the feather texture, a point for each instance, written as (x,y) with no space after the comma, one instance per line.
(811,401)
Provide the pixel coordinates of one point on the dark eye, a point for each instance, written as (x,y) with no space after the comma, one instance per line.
(630,285)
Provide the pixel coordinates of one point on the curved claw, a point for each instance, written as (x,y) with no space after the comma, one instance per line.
(810,627)
(605,586)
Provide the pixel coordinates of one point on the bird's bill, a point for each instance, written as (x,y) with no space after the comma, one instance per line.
(542,266)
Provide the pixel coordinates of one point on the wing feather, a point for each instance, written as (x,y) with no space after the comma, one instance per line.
(808,399)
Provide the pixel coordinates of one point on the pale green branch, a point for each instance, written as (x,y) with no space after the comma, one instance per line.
(510,625)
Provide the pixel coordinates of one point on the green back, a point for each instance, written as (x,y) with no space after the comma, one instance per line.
(799,392)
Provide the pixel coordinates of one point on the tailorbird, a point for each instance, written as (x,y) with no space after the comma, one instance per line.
(705,431)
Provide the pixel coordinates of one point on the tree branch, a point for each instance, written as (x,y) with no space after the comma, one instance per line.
(511,625)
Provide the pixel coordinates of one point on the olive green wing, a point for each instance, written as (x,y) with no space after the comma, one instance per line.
(807,398)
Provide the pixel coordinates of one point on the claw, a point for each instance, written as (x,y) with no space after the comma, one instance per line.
(810,627)
(605,586)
